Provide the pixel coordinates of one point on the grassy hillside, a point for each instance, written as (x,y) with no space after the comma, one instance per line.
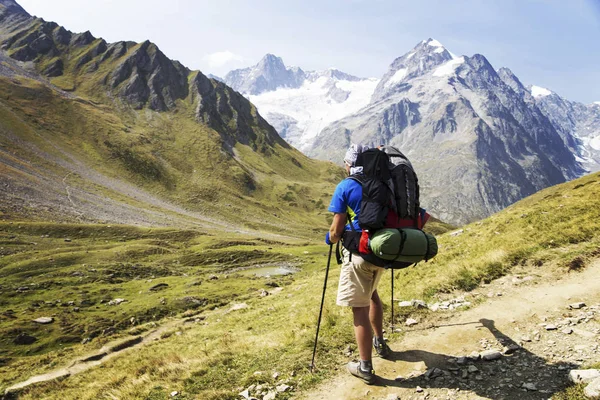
(209,349)
(170,156)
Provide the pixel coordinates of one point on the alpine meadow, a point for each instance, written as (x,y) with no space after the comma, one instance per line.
(162,228)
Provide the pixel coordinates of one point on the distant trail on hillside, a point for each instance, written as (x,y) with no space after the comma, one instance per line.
(508,319)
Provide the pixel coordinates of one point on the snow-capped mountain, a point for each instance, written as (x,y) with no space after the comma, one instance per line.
(475,135)
(578,124)
(269,74)
(300,104)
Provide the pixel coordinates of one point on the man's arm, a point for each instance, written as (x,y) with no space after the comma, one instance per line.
(337,227)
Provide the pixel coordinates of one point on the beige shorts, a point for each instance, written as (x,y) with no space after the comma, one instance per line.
(358,281)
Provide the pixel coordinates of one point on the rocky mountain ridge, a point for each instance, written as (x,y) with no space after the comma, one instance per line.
(139,74)
(477,140)
(143,138)
(300,104)
(577,123)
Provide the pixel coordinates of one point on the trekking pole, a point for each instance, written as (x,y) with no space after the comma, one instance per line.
(312,364)
(392,301)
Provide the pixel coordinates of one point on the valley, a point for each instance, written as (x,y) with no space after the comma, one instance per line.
(161,230)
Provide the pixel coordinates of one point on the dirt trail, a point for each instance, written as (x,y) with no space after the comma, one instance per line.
(107,352)
(514,318)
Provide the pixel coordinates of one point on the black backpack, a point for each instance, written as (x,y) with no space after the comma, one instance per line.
(390,199)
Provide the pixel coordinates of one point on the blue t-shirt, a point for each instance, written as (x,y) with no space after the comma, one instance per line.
(346,199)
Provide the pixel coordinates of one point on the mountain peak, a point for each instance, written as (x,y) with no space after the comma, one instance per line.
(433,43)
(269,74)
(424,57)
(12,7)
(538,91)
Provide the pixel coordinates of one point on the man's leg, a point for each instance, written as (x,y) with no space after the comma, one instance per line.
(376,315)
(362,331)
(376,319)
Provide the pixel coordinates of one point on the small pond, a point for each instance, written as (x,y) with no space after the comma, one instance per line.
(268,270)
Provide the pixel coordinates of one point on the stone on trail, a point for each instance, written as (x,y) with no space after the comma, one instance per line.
(419,389)
(567,331)
(392,397)
(511,348)
(418,304)
(490,355)
(245,394)
(551,327)
(44,320)
(282,388)
(405,304)
(116,302)
(472,369)
(592,390)
(577,306)
(530,387)
(433,373)
(174,393)
(270,396)
(411,322)
(583,375)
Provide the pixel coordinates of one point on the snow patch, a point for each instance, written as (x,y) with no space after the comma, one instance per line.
(434,43)
(537,91)
(439,50)
(397,77)
(408,57)
(449,67)
(312,107)
(596,103)
(595,143)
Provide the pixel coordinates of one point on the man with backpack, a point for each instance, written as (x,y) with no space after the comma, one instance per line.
(358,278)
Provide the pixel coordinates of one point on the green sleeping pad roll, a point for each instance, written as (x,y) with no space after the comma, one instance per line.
(407,245)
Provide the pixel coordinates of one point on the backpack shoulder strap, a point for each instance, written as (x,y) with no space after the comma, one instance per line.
(357,178)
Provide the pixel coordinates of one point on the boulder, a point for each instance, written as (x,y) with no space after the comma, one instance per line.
(592,390)
(583,375)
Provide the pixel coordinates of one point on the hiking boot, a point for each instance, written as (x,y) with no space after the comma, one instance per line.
(367,377)
(382,349)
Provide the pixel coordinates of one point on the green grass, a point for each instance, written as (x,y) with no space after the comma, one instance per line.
(558,226)
(216,357)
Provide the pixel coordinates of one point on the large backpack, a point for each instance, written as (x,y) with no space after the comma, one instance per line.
(390,215)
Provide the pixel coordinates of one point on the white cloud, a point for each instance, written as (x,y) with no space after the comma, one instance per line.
(222,58)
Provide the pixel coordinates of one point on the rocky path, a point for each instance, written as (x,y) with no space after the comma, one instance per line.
(532,333)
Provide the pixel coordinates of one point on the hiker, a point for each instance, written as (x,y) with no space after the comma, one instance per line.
(358,278)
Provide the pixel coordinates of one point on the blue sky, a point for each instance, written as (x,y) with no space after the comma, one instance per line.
(550,43)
